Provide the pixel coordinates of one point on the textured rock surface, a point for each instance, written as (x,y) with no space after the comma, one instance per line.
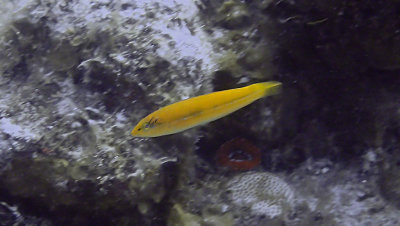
(75,76)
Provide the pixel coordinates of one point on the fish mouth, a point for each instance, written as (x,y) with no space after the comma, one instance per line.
(135,133)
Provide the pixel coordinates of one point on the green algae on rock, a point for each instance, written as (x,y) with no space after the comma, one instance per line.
(234,14)
(179,217)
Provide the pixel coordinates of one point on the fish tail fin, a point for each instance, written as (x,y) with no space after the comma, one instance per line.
(269,88)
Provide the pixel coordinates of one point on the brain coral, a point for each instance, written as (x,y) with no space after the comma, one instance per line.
(265,193)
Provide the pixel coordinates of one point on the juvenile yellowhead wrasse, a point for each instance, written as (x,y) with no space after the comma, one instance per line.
(202,109)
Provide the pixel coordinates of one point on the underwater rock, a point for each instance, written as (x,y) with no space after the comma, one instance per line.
(253,58)
(10,215)
(75,77)
(384,55)
(389,185)
(71,185)
(63,56)
(234,14)
(212,216)
(332,52)
(335,196)
(180,217)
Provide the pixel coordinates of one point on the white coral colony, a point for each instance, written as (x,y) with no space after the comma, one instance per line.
(265,193)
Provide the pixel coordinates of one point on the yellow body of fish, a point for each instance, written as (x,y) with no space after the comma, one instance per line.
(202,109)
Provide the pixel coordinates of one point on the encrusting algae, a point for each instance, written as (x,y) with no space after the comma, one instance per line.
(200,110)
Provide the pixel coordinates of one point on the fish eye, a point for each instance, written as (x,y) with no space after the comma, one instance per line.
(150,124)
(145,127)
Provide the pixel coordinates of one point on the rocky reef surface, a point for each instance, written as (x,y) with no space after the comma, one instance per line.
(75,77)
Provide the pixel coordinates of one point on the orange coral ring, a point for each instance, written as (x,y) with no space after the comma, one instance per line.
(239,154)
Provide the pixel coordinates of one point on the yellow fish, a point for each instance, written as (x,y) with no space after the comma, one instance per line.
(202,109)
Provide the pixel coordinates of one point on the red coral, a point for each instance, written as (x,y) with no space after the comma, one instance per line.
(239,154)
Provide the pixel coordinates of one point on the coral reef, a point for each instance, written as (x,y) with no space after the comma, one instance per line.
(75,77)
(329,49)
